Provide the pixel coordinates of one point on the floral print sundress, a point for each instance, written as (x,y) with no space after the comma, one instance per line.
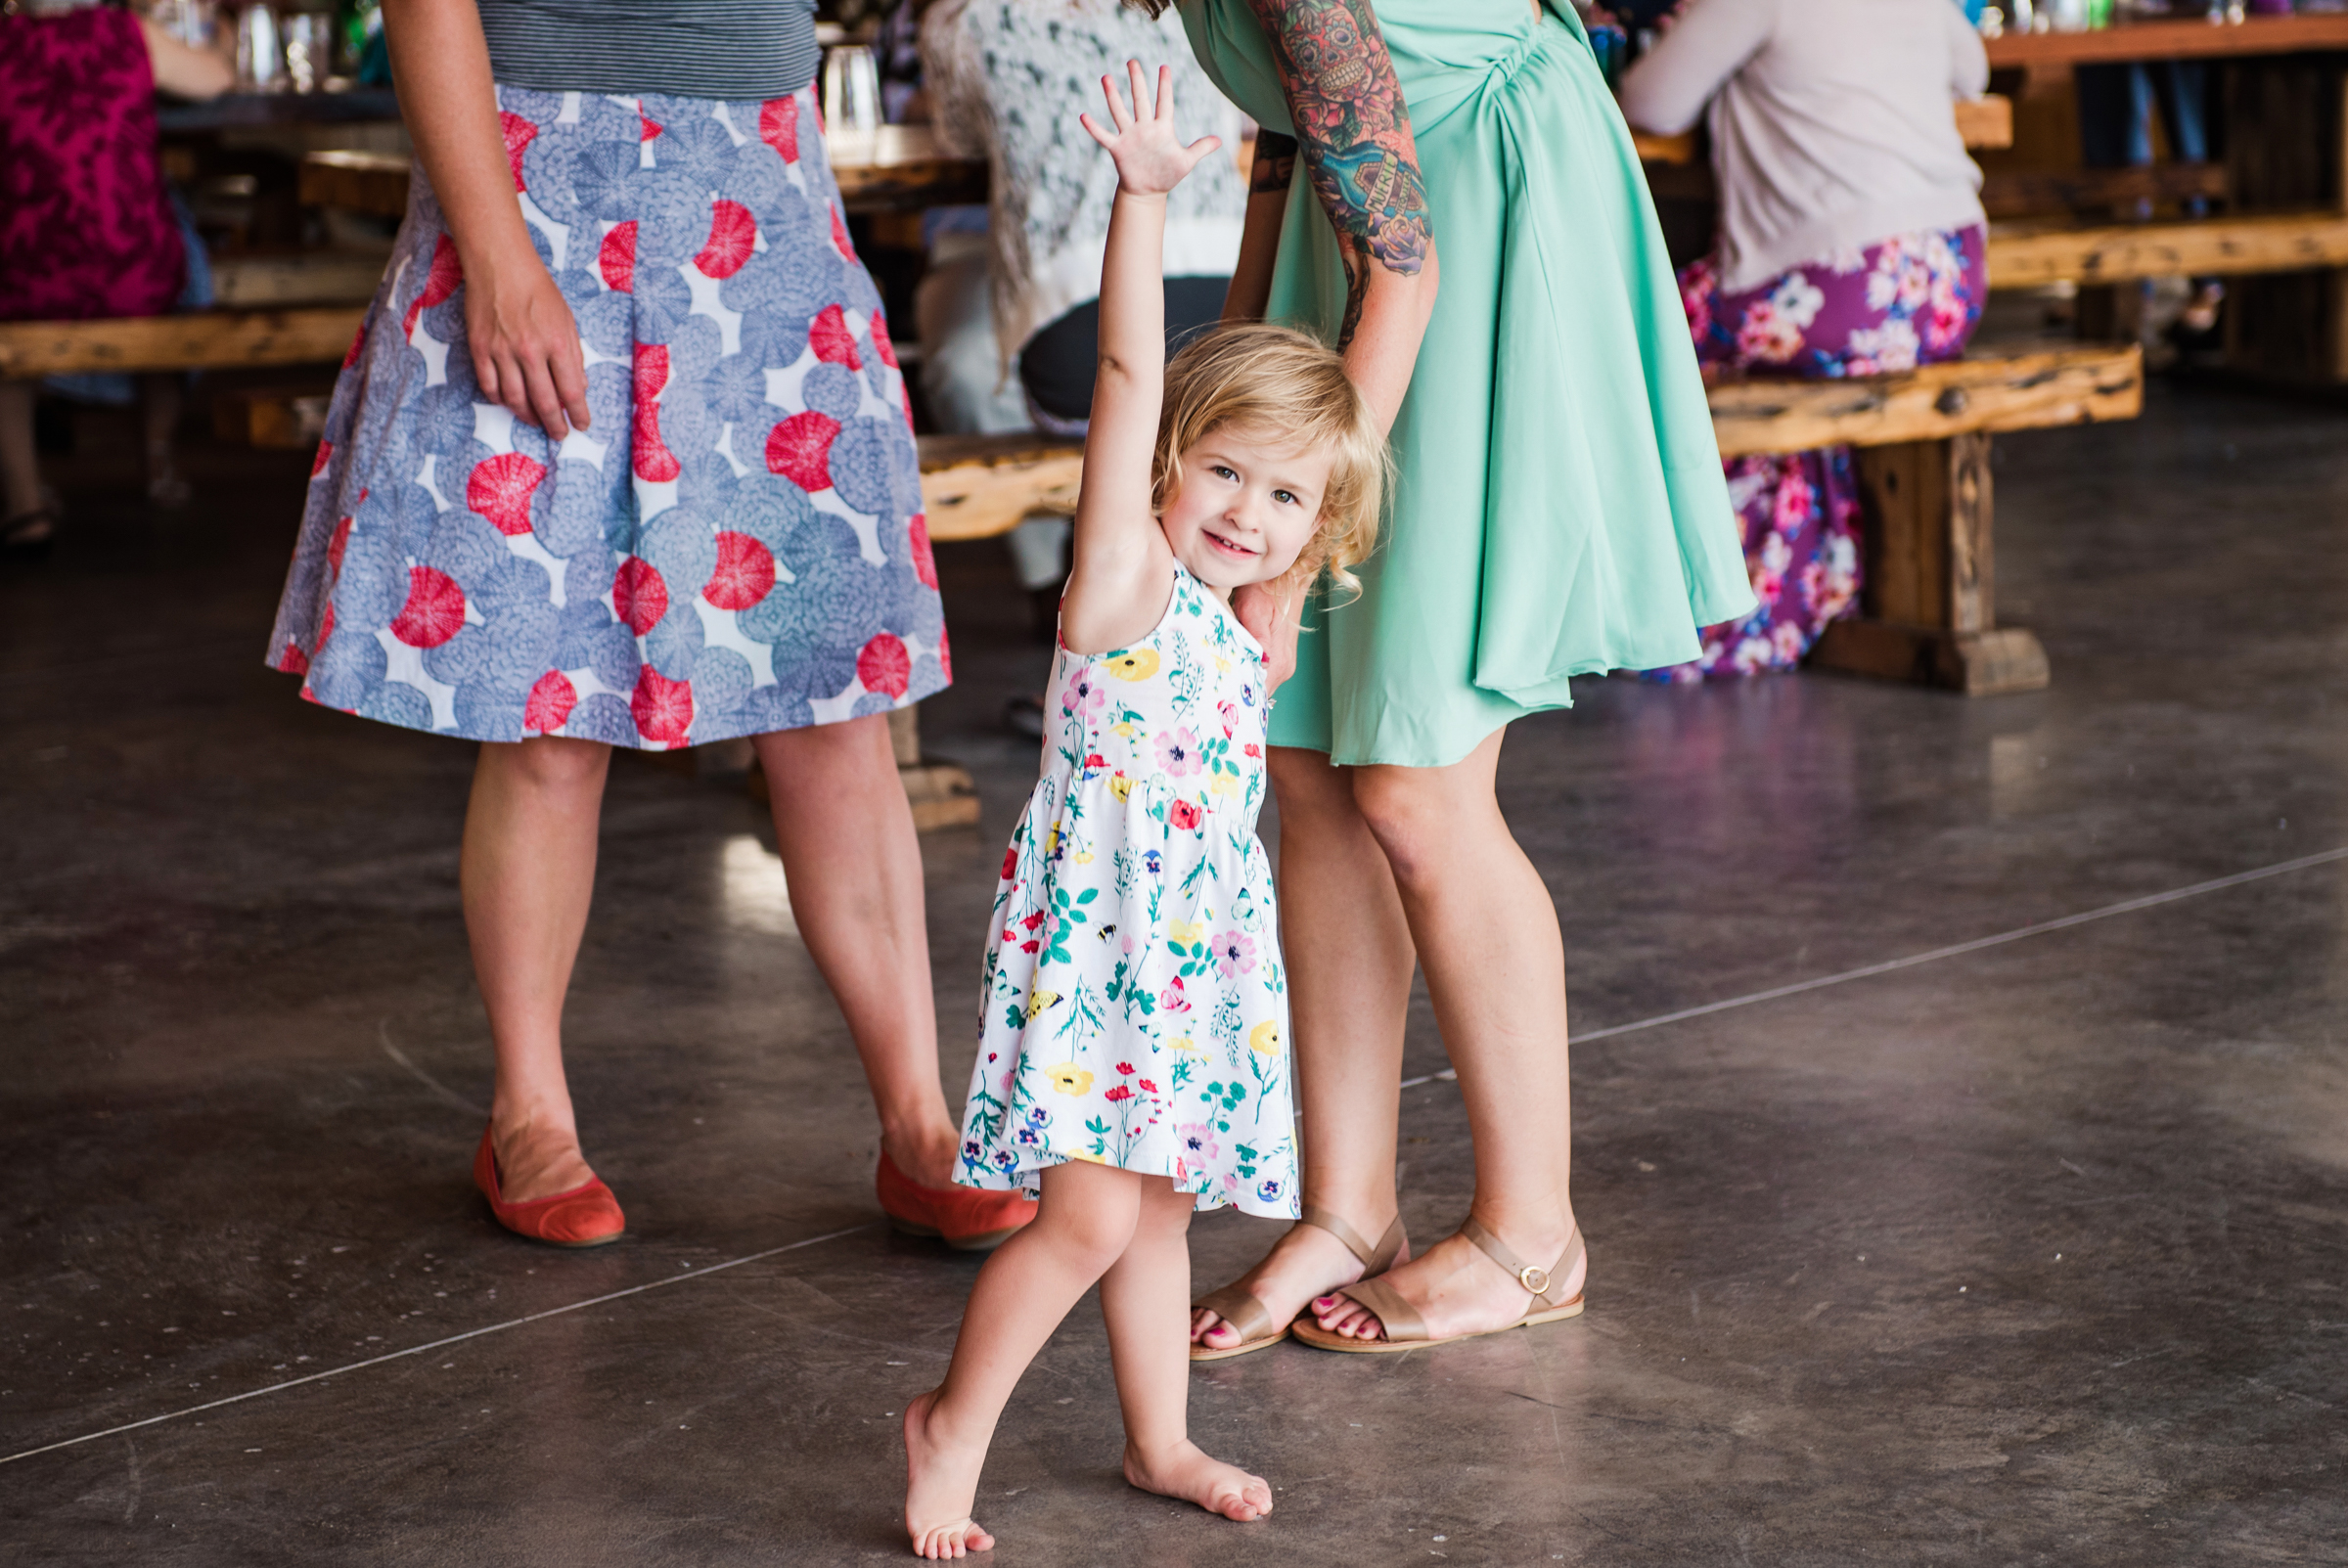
(1134,1010)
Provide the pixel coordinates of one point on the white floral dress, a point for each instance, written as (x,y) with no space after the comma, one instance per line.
(1134,1010)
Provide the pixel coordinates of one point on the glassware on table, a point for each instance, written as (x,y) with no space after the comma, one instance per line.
(260,58)
(309,49)
(851,97)
(193,22)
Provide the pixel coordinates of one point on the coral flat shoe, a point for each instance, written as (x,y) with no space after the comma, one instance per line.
(584,1217)
(961,1217)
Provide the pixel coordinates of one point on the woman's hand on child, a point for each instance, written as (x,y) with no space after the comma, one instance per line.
(1272,618)
(1149,156)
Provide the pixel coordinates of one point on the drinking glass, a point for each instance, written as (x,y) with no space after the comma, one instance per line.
(261,60)
(851,94)
(309,49)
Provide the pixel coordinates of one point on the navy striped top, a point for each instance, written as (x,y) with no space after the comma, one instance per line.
(733,50)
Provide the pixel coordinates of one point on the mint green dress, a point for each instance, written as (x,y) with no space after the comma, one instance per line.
(1561,509)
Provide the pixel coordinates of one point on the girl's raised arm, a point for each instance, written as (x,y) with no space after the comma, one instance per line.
(1116,588)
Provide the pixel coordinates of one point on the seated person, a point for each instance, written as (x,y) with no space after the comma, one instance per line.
(1007,316)
(89,230)
(998,74)
(1852,242)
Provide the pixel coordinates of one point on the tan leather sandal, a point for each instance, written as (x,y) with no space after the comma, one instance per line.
(1239,1307)
(1404,1329)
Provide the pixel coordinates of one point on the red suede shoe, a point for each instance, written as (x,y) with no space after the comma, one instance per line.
(961,1217)
(584,1217)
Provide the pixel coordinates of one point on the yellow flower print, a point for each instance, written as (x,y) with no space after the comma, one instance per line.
(1119,785)
(1124,729)
(1185,932)
(1184,1045)
(1223,783)
(1222,665)
(1084,857)
(1134,664)
(1264,1038)
(1068,1078)
(1088,1157)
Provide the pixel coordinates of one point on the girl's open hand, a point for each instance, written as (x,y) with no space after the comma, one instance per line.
(1149,156)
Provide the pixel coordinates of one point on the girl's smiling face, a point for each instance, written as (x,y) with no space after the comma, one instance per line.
(1247,507)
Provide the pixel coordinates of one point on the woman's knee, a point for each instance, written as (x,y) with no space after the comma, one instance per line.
(548,763)
(1311,790)
(1419,816)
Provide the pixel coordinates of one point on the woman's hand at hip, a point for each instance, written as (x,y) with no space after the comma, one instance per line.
(525,344)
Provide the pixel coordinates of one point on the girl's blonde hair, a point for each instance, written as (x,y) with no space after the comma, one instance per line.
(1274,383)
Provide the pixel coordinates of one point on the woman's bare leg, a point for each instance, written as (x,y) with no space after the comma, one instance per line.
(1349,956)
(1144,1299)
(528,875)
(1487,934)
(855,866)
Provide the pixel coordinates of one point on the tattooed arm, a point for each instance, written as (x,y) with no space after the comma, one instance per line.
(1353,134)
(1353,138)
(1275,169)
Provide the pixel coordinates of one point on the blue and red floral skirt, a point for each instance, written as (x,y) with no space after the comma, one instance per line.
(735,545)
(1911,300)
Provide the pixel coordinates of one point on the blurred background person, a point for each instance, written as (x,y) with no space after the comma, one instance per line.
(1851,243)
(88,228)
(1009,310)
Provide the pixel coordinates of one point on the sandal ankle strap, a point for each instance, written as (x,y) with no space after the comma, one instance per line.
(1538,1283)
(1373,1260)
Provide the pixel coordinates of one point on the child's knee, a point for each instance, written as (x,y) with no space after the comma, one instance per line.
(1091,1212)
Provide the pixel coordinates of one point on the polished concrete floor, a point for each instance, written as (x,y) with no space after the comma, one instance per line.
(2032,1253)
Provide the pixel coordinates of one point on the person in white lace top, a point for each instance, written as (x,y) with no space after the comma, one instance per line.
(1001,75)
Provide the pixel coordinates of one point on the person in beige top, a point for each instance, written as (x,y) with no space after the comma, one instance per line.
(1851,243)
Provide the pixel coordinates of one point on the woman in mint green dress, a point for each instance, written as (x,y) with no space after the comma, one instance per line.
(1474,231)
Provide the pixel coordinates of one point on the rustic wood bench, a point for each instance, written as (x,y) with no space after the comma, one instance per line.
(199,340)
(1929,612)
(2035,252)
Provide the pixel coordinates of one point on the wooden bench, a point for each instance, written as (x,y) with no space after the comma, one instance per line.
(1930,612)
(199,340)
(2033,253)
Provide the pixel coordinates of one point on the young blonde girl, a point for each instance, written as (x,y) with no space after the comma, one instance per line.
(1133,1065)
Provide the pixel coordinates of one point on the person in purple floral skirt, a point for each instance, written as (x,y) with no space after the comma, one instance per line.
(1852,242)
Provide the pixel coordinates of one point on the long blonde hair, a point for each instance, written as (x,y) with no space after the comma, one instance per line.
(1276,383)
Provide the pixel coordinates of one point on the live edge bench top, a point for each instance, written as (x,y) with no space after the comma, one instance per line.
(978,485)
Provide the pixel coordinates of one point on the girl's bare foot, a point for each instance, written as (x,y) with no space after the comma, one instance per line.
(1457,1289)
(1305,1263)
(1183,1471)
(941,1482)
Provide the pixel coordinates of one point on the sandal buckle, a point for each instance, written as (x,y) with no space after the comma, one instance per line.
(1534,1280)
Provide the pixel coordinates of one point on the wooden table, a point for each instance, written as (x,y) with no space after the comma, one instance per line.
(2185,39)
(237,111)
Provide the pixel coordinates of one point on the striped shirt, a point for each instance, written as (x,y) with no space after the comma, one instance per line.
(733,50)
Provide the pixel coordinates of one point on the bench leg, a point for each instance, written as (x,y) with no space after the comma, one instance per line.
(1928,614)
(941,793)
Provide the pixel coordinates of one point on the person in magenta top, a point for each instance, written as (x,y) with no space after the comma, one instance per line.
(86,226)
